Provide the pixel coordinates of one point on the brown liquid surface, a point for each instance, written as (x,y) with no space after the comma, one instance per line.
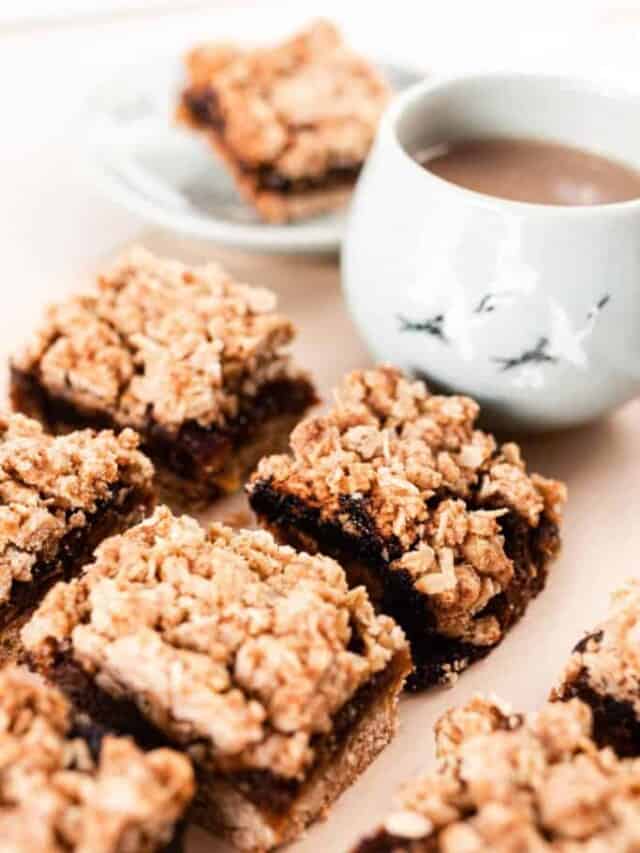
(533,171)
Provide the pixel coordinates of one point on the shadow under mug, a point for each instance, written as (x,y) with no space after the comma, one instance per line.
(532,309)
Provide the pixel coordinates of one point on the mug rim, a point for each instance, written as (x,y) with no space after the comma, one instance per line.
(415,94)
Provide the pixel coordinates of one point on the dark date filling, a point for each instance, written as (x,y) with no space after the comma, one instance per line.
(615,721)
(435,657)
(176,845)
(93,735)
(125,506)
(384,842)
(269,179)
(261,787)
(202,106)
(196,452)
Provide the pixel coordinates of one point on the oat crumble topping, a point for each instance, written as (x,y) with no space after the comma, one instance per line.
(305,107)
(510,783)
(239,649)
(162,341)
(398,449)
(610,660)
(55,798)
(51,486)
(480,716)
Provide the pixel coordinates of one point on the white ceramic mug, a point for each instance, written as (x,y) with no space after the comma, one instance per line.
(532,309)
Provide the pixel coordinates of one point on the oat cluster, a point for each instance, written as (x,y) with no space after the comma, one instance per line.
(610,657)
(304,108)
(49,487)
(160,341)
(55,797)
(237,648)
(432,484)
(510,783)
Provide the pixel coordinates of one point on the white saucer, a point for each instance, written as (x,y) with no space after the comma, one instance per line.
(170,177)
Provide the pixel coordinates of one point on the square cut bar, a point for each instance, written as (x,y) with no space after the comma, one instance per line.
(293,123)
(447,529)
(604,672)
(191,359)
(510,783)
(279,681)
(67,786)
(59,497)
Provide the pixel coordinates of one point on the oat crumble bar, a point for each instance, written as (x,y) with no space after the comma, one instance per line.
(293,123)
(604,672)
(59,497)
(446,528)
(65,787)
(510,783)
(279,681)
(196,362)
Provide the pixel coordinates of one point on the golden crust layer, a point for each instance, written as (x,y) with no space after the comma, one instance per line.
(55,798)
(419,466)
(237,648)
(162,341)
(303,107)
(510,783)
(609,660)
(50,486)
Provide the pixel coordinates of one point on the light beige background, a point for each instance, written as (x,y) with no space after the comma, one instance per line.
(55,229)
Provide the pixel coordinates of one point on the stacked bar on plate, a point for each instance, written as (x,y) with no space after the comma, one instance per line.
(279,681)
(447,529)
(293,123)
(196,362)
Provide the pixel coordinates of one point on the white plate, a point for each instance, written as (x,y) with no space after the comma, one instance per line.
(170,177)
